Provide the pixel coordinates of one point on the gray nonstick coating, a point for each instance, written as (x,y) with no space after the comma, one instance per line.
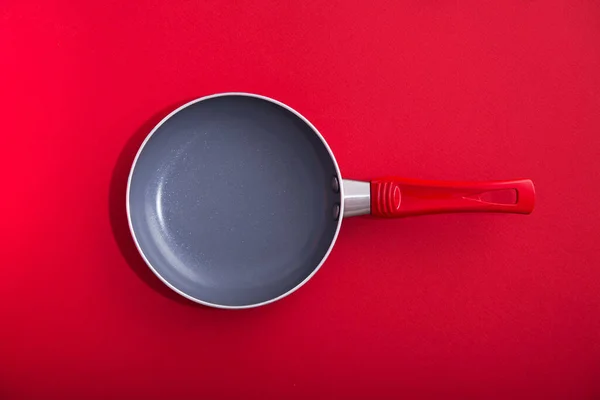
(230,200)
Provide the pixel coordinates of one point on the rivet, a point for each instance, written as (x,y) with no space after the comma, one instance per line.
(336,212)
(335,184)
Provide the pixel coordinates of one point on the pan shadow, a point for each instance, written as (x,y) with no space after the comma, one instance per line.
(118,213)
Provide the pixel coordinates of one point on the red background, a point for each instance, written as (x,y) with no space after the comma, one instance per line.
(449,306)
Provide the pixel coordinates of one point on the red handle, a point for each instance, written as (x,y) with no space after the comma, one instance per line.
(399,197)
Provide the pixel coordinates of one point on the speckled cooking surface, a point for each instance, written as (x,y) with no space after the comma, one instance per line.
(231,200)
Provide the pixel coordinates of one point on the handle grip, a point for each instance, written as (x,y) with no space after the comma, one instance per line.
(400,197)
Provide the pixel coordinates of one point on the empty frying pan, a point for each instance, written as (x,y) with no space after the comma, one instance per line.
(235,200)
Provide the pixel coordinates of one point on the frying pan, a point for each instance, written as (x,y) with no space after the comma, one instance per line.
(235,200)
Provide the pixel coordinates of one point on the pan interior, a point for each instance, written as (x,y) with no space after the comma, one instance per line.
(231,201)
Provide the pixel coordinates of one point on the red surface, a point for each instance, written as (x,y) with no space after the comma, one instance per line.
(405,197)
(448,306)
